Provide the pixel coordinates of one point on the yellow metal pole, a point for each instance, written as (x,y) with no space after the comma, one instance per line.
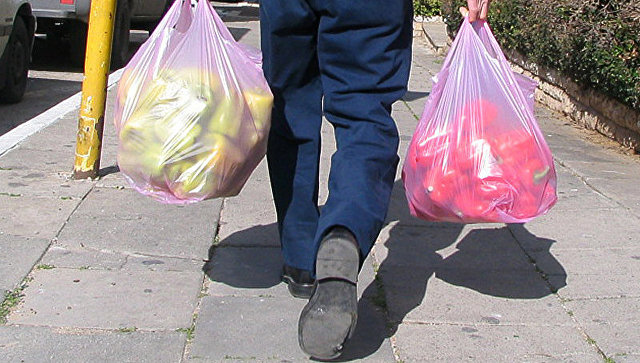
(94,89)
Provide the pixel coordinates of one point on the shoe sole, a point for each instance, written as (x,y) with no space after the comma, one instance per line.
(329,318)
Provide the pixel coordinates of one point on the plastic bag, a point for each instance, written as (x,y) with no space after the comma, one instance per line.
(193,109)
(477,154)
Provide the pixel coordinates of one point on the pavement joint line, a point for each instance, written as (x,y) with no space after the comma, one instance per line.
(532,261)
(223,245)
(29,277)
(464,324)
(204,291)
(596,248)
(395,349)
(20,133)
(191,330)
(598,298)
(416,116)
(247,296)
(133,254)
(80,330)
(594,188)
(437,225)
(582,330)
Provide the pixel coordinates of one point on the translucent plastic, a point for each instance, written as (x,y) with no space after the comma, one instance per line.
(477,154)
(193,109)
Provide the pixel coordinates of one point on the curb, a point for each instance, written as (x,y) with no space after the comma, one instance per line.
(14,137)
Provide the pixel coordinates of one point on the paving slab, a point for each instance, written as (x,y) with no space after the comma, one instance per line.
(617,167)
(109,299)
(42,184)
(41,344)
(472,343)
(409,295)
(626,358)
(599,272)
(126,221)
(241,328)
(18,255)
(579,286)
(34,216)
(267,328)
(623,191)
(438,301)
(50,159)
(61,134)
(574,194)
(82,258)
(436,31)
(586,228)
(614,324)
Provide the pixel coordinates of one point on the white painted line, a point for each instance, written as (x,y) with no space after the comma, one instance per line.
(12,138)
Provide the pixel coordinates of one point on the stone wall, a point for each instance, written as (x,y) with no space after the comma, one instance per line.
(584,106)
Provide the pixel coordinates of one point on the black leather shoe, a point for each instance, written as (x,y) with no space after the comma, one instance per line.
(329,319)
(299,282)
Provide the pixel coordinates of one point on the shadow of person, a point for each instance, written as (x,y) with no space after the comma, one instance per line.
(488,260)
(409,259)
(236,261)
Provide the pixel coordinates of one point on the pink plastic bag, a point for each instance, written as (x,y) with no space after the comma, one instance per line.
(193,109)
(477,154)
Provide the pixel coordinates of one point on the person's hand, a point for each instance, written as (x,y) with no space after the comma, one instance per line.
(478,9)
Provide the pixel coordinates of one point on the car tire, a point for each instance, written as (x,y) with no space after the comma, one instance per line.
(120,46)
(16,61)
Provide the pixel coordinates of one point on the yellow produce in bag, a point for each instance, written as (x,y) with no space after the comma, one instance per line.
(193,110)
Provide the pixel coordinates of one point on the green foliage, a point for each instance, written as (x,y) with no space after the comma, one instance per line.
(595,42)
(427,7)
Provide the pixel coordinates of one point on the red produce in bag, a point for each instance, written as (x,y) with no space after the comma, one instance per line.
(477,154)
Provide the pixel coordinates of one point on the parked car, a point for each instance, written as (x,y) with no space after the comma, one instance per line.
(67,20)
(17,26)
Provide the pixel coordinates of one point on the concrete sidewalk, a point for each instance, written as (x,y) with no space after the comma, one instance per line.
(93,271)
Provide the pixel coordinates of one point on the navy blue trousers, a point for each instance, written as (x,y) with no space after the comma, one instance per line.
(348,60)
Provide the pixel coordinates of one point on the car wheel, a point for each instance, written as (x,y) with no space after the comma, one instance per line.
(121,31)
(16,63)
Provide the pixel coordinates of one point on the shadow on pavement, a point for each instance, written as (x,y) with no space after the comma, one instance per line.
(412,259)
(488,261)
(236,262)
(412,95)
(236,13)
(112,169)
(238,33)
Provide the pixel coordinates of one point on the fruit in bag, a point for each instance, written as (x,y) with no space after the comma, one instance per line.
(477,154)
(192,117)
